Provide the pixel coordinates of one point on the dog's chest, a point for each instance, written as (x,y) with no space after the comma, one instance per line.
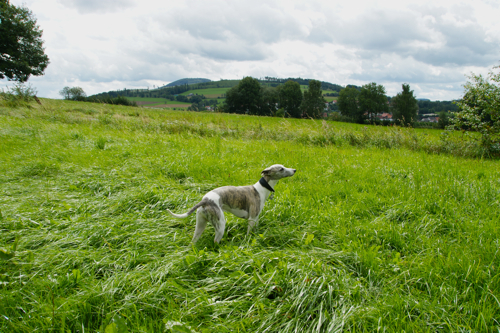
(236,211)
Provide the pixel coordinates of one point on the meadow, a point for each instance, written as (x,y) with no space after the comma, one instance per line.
(158,102)
(382,229)
(208,93)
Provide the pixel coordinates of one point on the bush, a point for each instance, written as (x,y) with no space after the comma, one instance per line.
(337,116)
(480,110)
(19,95)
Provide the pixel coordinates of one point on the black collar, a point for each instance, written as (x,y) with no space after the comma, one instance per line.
(264,183)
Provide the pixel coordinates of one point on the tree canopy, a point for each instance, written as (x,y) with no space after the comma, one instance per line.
(313,102)
(348,104)
(245,97)
(21,46)
(372,99)
(404,106)
(290,98)
(74,93)
(480,109)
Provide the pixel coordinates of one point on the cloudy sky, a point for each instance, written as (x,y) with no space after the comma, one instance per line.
(103,45)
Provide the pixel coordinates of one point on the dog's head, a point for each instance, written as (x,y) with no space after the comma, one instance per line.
(278,171)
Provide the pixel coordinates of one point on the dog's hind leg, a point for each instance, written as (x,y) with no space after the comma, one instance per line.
(219,226)
(201,223)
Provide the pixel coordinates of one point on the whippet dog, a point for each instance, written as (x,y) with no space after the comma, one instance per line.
(243,201)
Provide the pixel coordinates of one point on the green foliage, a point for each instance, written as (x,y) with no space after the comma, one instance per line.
(388,229)
(187,81)
(480,110)
(20,95)
(348,104)
(22,53)
(444,120)
(78,94)
(372,99)
(313,103)
(73,93)
(249,97)
(404,106)
(268,100)
(290,99)
(425,106)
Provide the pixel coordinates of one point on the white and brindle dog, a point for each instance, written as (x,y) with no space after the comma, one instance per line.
(243,201)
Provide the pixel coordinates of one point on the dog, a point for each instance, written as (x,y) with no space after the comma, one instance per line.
(243,201)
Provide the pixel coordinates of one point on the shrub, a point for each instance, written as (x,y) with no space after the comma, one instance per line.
(19,95)
(480,110)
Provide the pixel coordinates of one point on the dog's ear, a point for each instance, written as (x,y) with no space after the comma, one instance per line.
(266,172)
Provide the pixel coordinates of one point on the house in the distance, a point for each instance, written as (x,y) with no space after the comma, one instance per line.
(430,118)
(384,116)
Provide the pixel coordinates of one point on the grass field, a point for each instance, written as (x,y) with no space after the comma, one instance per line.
(208,93)
(157,102)
(382,229)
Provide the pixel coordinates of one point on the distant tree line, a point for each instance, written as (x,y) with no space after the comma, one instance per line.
(78,94)
(426,107)
(363,104)
(252,97)
(302,82)
(200,102)
(172,92)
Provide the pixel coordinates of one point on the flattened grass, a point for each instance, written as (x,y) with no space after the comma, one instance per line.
(378,230)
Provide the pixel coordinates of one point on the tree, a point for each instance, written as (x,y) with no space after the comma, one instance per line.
(290,98)
(232,101)
(249,93)
(74,93)
(64,92)
(405,106)
(313,103)
(268,100)
(21,46)
(479,109)
(444,120)
(348,104)
(372,99)
(245,97)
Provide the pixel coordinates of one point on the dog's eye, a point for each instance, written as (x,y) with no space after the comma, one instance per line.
(281,169)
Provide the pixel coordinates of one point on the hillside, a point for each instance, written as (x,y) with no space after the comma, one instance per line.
(170,91)
(217,89)
(182,82)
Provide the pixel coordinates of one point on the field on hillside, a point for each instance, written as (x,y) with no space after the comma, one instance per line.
(208,93)
(158,102)
(381,229)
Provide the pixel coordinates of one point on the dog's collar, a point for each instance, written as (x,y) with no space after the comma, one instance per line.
(264,183)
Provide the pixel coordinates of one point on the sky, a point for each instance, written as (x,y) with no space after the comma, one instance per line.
(103,45)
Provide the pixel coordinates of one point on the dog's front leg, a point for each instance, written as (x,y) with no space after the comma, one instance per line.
(254,222)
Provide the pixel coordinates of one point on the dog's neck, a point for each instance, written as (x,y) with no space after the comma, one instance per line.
(266,185)
(271,182)
(265,191)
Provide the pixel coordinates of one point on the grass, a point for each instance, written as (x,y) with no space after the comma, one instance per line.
(157,101)
(208,93)
(381,229)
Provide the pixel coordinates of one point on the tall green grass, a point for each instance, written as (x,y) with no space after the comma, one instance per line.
(381,229)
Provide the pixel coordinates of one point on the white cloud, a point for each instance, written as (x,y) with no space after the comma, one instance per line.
(105,45)
(97,6)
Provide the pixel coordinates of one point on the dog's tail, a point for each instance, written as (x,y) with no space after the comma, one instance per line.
(181,216)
